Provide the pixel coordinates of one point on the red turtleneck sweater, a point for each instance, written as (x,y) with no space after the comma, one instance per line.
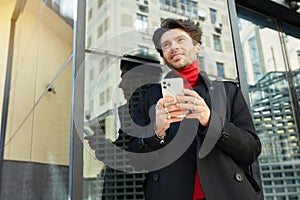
(190,75)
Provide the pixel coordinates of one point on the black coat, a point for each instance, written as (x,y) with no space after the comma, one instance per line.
(222,171)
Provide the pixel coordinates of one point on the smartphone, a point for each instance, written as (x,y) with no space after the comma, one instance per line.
(172,87)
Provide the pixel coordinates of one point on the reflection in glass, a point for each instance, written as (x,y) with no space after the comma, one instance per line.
(141,23)
(114,126)
(293,52)
(213,14)
(270,99)
(118,28)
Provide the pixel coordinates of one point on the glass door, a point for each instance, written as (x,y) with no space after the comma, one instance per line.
(292,42)
(271,60)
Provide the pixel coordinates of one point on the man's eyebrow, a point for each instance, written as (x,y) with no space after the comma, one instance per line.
(166,41)
(181,36)
(177,37)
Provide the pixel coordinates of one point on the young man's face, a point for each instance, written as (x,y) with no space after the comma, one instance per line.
(178,48)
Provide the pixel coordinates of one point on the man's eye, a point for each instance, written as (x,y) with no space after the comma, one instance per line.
(181,39)
(165,45)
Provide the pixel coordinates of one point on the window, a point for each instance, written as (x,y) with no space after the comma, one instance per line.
(100,2)
(100,31)
(257,76)
(108,94)
(103,27)
(277,174)
(201,60)
(266,175)
(220,68)
(292,189)
(288,167)
(276,167)
(268,190)
(92,74)
(191,8)
(107,23)
(56,5)
(217,43)
(213,15)
(141,24)
(182,7)
(267,182)
(174,5)
(278,182)
(265,168)
(91,105)
(90,14)
(143,49)
(281,198)
(89,41)
(143,5)
(290,182)
(101,98)
(161,4)
(254,52)
(279,190)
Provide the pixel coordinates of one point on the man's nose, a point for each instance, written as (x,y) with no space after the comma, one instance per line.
(174,44)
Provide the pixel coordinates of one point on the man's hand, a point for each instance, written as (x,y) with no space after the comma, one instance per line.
(166,113)
(196,104)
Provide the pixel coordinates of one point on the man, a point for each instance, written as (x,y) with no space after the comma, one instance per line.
(213,165)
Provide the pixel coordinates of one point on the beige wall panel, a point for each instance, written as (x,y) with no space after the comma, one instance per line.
(51,130)
(41,50)
(22,93)
(52,116)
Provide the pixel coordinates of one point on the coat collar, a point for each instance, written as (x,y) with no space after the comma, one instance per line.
(202,75)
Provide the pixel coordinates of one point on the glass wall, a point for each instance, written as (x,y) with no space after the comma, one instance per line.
(271,63)
(35,163)
(37,159)
(293,60)
(118,41)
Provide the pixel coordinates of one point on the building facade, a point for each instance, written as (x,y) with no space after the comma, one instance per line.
(272,112)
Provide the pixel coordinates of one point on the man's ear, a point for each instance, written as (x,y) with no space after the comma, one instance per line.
(198,48)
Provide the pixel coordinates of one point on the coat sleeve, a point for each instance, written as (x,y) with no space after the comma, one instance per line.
(143,137)
(238,138)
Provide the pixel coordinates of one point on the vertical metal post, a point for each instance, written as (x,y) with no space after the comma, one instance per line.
(238,52)
(241,73)
(76,145)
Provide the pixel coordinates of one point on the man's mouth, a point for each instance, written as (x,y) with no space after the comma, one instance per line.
(176,56)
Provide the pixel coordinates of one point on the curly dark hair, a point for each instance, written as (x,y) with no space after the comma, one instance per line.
(189,26)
